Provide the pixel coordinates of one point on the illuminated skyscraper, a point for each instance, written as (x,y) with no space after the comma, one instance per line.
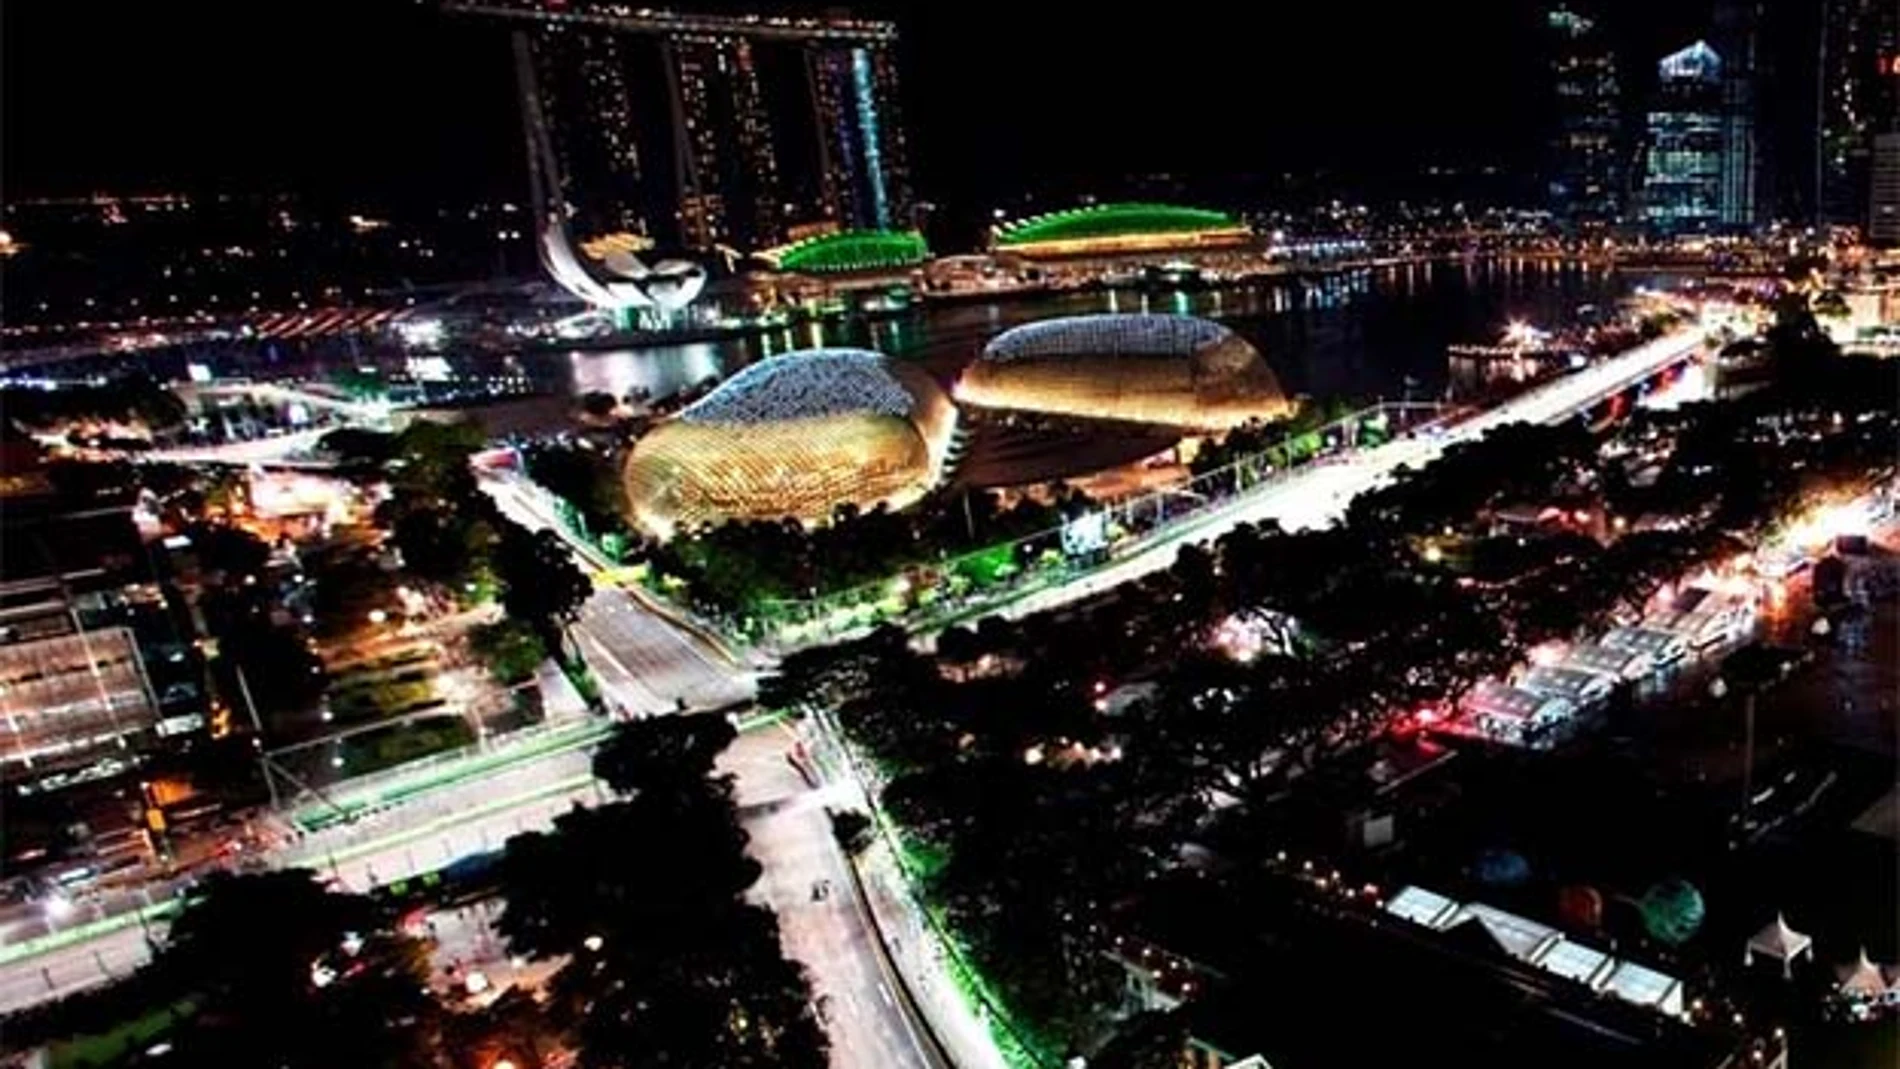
(707,131)
(861,155)
(725,165)
(1859,98)
(1683,167)
(1737,32)
(1585,177)
(581,73)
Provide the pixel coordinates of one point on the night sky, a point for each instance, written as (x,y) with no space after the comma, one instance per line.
(391,100)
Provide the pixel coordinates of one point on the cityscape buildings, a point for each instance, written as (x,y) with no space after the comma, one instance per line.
(703,132)
(1684,152)
(1858,98)
(1327,626)
(1585,183)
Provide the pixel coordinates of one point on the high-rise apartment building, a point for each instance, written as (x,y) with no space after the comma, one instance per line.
(1584,183)
(1858,98)
(1683,154)
(703,131)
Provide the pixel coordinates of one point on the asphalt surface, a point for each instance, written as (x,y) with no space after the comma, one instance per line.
(1318,495)
(822,921)
(647,666)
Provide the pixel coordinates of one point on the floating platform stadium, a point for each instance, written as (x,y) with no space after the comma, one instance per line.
(1119,229)
(1175,371)
(794,436)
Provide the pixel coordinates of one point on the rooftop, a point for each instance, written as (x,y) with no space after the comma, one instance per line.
(1112,220)
(854,250)
(1127,334)
(809,384)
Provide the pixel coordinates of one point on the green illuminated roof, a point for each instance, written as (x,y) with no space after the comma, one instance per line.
(1111,220)
(856,250)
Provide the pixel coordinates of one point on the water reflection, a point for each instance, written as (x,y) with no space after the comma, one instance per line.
(1361,333)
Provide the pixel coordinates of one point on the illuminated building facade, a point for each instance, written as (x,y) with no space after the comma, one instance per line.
(1859,99)
(794,436)
(582,72)
(1737,28)
(726,166)
(707,131)
(1170,370)
(1122,228)
(852,250)
(1682,179)
(1585,182)
(862,161)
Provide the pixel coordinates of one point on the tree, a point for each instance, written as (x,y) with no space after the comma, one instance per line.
(540,583)
(668,752)
(667,965)
(230,550)
(356,445)
(1796,343)
(289,974)
(514,1029)
(280,673)
(598,403)
(511,650)
(432,460)
(737,1003)
(852,829)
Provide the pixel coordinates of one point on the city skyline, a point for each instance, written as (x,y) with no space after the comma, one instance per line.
(548,533)
(356,112)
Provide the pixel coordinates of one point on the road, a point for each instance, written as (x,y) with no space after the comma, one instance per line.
(832,935)
(103,935)
(648,665)
(1319,494)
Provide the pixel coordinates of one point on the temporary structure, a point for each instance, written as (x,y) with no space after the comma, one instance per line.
(1780,942)
(1863,981)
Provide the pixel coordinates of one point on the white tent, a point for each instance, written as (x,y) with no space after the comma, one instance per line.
(1780,942)
(1862,980)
